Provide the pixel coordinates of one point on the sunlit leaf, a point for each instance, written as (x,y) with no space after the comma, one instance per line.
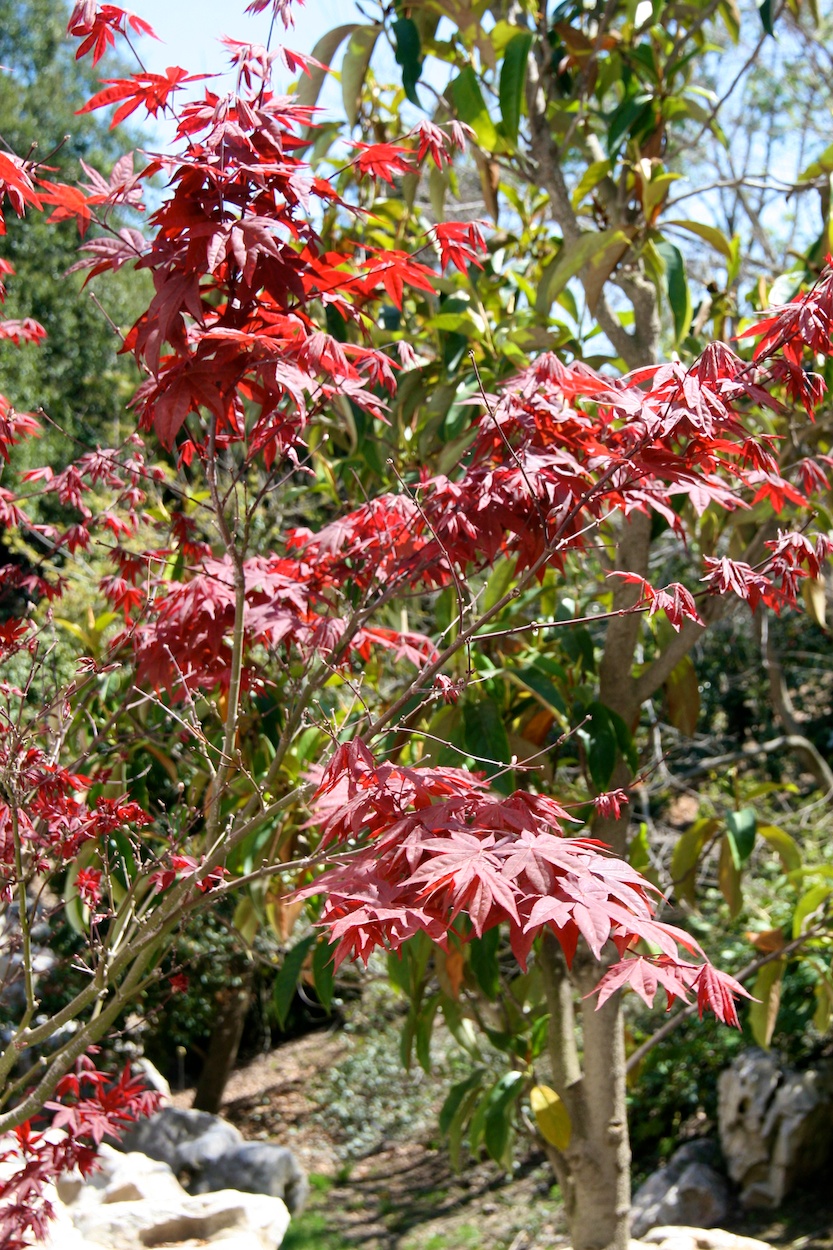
(551,1116)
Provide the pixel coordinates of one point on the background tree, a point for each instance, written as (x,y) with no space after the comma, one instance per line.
(76,376)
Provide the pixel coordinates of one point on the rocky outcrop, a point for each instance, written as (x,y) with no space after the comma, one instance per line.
(687,1191)
(775,1125)
(207,1154)
(679,1237)
(133,1202)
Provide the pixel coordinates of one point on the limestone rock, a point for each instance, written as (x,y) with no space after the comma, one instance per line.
(702,1239)
(687,1191)
(229,1219)
(775,1124)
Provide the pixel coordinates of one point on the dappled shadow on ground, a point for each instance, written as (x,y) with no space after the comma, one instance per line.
(805,1222)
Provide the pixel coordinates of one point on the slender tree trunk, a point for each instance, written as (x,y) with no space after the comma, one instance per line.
(232,1006)
(594,1170)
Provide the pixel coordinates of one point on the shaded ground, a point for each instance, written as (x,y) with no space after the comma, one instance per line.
(405,1195)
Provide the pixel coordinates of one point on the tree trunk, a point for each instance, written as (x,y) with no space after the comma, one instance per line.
(594,1170)
(232,1006)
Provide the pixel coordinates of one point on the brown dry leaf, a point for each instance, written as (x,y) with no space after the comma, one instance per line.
(767,942)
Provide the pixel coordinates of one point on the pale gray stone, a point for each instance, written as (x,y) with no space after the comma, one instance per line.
(687,1191)
(227,1218)
(775,1124)
(207,1153)
(182,1138)
(704,1239)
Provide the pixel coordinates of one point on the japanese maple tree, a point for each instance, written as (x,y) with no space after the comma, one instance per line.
(267,644)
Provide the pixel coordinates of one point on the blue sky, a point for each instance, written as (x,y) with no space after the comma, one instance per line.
(191,28)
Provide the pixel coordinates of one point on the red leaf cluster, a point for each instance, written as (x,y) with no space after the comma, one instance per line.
(413,849)
(89,1106)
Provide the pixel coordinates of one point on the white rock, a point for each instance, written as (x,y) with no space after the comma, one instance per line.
(702,1239)
(228,1218)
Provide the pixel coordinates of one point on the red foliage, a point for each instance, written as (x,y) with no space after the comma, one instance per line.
(89,1106)
(422,846)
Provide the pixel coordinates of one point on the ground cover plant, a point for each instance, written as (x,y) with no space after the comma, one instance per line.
(370,617)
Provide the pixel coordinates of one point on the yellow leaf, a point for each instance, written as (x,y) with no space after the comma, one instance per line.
(815,600)
(551,1116)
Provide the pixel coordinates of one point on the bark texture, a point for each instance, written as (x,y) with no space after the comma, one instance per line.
(232,1006)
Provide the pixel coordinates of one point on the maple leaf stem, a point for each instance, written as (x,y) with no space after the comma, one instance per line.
(525,579)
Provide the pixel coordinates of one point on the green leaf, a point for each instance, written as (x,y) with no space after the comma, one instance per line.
(458,1125)
(764,1013)
(742,826)
(287,979)
(512,80)
(483,962)
(676,285)
(639,853)
(455,1098)
(601,746)
(470,107)
(309,87)
(246,920)
(486,740)
(821,165)
(730,13)
(765,13)
(354,68)
(498,1118)
(783,844)
(537,683)
(808,905)
(323,971)
(709,234)
(500,579)
(408,55)
(569,261)
(423,1030)
(629,112)
(438,183)
(728,875)
(589,180)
